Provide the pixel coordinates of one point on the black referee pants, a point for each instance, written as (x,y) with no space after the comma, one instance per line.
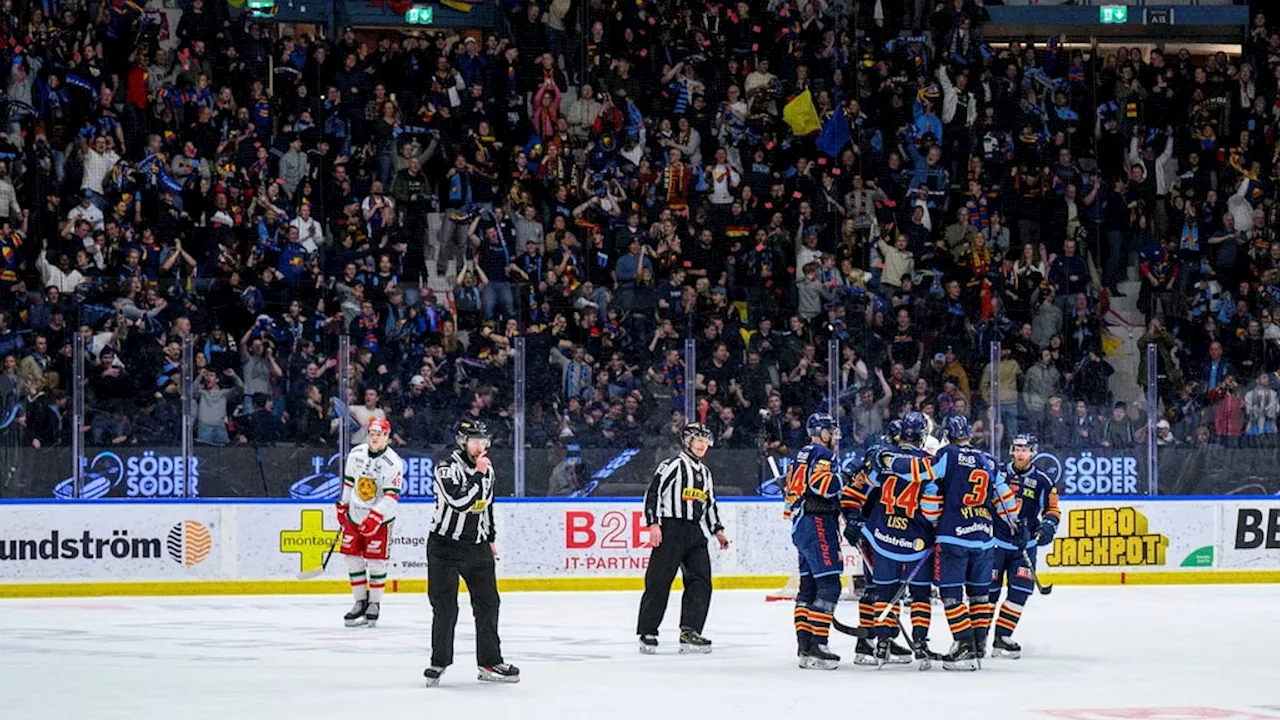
(446,561)
(683,548)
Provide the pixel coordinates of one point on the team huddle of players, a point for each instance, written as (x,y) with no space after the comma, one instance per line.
(957,520)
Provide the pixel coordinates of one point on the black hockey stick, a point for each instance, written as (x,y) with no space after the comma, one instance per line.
(324,564)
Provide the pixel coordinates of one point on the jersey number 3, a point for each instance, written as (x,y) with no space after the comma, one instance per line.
(980,480)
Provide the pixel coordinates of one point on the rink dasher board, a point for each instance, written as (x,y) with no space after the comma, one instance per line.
(211,548)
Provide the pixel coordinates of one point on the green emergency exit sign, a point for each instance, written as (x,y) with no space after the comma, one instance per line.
(420,15)
(1113,14)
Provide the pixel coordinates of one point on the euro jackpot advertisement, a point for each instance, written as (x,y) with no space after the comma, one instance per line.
(1134,537)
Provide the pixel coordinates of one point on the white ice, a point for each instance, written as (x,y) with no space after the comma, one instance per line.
(280,658)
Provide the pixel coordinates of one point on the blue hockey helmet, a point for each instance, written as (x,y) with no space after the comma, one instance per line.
(1026,440)
(958,428)
(820,421)
(913,427)
(893,430)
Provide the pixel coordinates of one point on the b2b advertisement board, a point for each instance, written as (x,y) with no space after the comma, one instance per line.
(564,544)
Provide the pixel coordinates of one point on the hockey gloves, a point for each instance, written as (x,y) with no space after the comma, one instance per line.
(344,520)
(371,523)
(1024,535)
(853,531)
(1048,529)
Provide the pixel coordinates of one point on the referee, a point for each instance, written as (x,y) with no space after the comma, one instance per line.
(680,511)
(461,543)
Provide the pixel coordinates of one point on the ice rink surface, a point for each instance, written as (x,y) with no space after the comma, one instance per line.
(1089,653)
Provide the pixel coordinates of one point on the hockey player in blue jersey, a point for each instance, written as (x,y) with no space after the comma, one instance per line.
(975,498)
(900,528)
(1037,517)
(857,501)
(813,495)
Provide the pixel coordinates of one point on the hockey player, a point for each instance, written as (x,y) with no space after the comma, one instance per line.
(857,501)
(680,511)
(900,529)
(461,543)
(1037,518)
(371,483)
(814,492)
(975,498)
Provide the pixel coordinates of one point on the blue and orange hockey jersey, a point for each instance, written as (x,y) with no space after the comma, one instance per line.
(975,497)
(1037,500)
(812,483)
(901,523)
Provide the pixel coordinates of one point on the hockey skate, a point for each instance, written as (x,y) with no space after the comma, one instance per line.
(1003,646)
(963,657)
(371,614)
(648,644)
(899,654)
(432,674)
(358,614)
(691,641)
(924,656)
(502,672)
(818,657)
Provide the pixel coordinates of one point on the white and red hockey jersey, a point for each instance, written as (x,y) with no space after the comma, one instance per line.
(372,482)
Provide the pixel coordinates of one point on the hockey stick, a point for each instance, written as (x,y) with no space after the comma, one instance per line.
(324,564)
(902,589)
(1026,557)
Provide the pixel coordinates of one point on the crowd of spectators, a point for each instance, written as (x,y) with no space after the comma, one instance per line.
(607,182)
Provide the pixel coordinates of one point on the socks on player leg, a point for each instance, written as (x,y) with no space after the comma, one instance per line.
(958,620)
(921,615)
(377,579)
(359,578)
(866,613)
(1010,614)
(804,630)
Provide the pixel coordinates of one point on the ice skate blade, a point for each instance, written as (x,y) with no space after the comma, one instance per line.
(486,676)
(648,649)
(960,665)
(925,664)
(808,662)
(1010,654)
(432,682)
(371,623)
(687,649)
(899,660)
(358,622)
(864,660)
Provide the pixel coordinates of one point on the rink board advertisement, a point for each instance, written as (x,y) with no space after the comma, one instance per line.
(191,548)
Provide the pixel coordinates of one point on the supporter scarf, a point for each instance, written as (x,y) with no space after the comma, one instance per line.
(676,179)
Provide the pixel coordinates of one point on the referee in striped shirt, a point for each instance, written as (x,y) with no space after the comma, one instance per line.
(462,544)
(680,511)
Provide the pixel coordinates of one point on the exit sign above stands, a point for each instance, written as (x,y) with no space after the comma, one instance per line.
(1113,14)
(420,15)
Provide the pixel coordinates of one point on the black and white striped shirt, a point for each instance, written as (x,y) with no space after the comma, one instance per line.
(464,501)
(681,489)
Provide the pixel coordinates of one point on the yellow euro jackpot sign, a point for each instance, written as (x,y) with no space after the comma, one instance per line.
(1108,537)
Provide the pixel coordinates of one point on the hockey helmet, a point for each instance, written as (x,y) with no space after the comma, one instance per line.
(913,427)
(378,426)
(472,430)
(820,421)
(695,430)
(1026,441)
(958,428)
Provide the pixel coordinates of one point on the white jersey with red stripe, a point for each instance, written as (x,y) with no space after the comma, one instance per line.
(372,481)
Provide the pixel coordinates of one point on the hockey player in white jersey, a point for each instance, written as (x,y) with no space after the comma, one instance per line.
(371,483)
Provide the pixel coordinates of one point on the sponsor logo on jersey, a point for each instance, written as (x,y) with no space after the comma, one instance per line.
(147,475)
(694,494)
(906,543)
(366,488)
(187,543)
(1108,537)
(978,527)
